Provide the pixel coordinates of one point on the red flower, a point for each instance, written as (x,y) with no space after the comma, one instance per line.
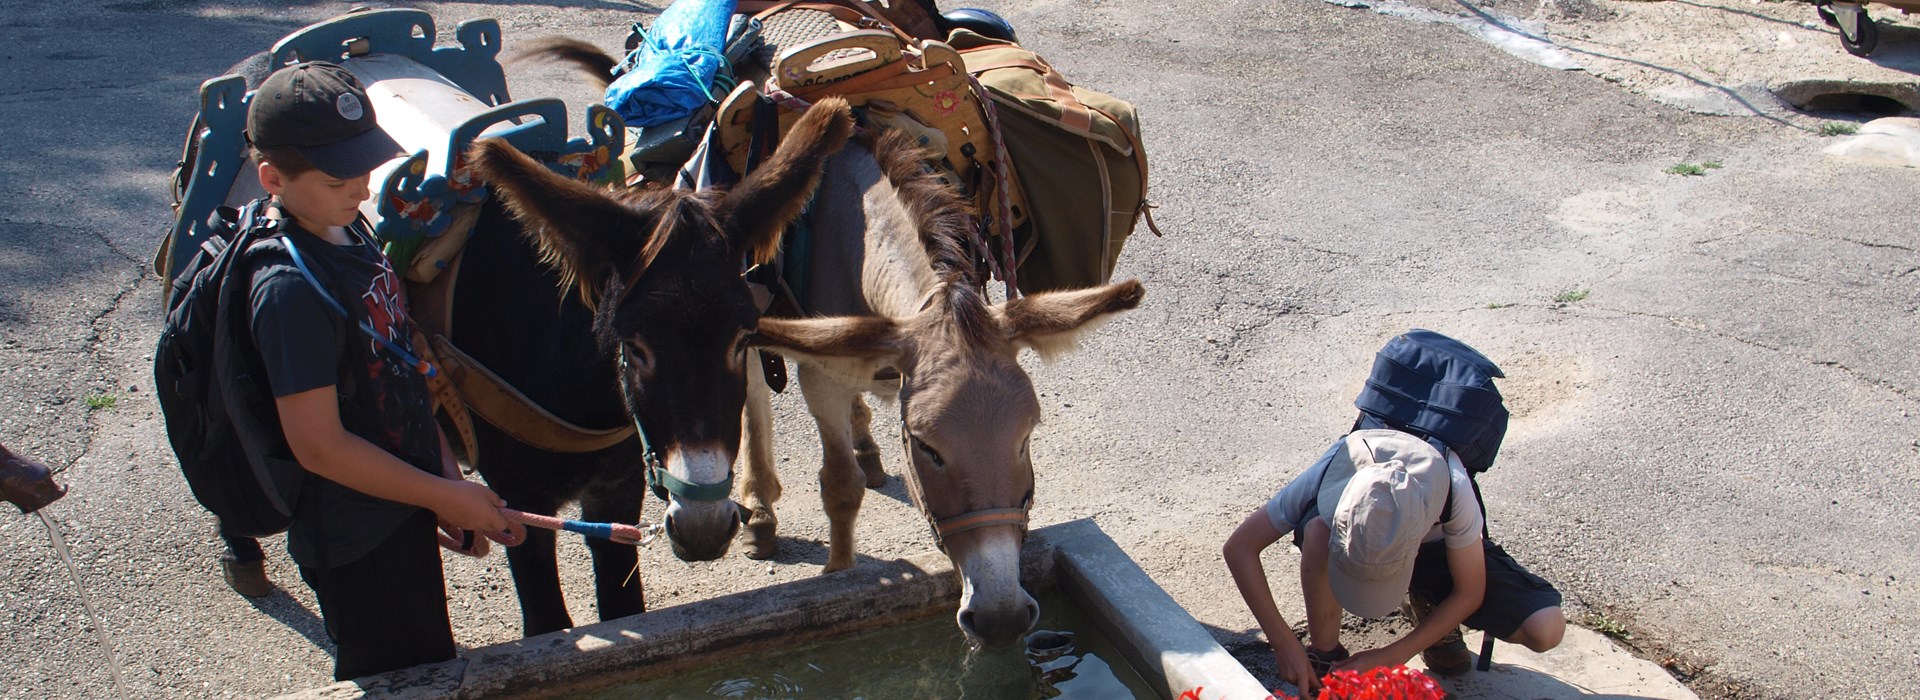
(1389,683)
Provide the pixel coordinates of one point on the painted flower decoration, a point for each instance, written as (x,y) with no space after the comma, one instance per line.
(421,211)
(462,178)
(947,101)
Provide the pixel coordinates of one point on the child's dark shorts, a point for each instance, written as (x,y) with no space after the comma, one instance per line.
(1513,593)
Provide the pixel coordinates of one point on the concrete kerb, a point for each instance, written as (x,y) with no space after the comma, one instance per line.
(1162,641)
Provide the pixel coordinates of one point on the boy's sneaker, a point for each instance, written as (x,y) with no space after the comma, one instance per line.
(1323,661)
(1447,657)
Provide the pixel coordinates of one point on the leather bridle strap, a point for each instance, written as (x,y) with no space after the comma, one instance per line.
(662,482)
(946,527)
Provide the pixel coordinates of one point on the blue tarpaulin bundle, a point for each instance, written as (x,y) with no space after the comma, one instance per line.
(670,74)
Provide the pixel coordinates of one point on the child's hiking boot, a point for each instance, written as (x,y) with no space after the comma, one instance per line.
(244,566)
(1447,657)
(248,578)
(1323,661)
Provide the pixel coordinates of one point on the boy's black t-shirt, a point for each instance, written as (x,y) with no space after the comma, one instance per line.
(305,345)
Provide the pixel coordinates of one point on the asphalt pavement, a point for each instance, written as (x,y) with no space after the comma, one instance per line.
(1713,377)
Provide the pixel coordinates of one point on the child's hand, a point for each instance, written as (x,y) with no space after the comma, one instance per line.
(460,541)
(469,506)
(1294,668)
(510,537)
(1369,660)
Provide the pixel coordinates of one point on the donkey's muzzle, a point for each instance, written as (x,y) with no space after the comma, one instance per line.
(704,530)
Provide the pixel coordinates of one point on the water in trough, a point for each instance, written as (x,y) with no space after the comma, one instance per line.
(923,659)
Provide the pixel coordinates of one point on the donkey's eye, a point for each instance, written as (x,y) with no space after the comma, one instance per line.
(928,452)
(741,343)
(638,356)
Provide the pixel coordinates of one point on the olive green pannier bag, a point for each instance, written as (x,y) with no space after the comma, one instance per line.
(1077,158)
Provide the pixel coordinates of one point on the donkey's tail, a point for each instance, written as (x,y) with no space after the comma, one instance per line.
(594,63)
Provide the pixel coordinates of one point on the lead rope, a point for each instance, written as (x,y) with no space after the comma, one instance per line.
(636,535)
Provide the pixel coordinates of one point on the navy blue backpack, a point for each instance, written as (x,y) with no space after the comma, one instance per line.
(1440,390)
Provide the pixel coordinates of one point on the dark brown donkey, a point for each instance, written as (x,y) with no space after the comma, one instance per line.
(659,273)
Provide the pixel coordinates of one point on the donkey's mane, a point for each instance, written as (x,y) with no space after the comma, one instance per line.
(680,210)
(943,218)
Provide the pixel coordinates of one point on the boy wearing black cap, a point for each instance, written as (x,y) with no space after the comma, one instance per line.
(333,342)
(1381,516)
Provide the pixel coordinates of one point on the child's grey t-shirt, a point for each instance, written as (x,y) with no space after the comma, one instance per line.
(1294,505)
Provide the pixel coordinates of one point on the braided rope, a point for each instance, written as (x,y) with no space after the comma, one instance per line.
(784,98)
(1003,210)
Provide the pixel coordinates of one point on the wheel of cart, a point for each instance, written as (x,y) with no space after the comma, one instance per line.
(1859,35)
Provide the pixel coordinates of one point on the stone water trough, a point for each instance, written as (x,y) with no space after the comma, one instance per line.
(1164,645)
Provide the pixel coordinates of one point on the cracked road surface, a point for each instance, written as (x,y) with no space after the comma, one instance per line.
(1715,445)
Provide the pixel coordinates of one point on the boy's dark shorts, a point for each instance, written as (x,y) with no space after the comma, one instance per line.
(1513,593)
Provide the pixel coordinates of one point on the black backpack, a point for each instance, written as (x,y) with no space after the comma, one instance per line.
(212,387)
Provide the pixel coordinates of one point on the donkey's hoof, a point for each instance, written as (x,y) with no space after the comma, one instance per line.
(762,549)
(761,543)
(248,578)
(869,461)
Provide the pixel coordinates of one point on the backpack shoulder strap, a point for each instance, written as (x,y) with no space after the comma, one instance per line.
(366,328)
(1475,483)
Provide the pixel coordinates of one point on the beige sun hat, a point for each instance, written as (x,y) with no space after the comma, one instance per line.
(1389,489)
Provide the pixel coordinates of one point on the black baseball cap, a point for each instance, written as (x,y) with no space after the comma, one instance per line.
(320,110)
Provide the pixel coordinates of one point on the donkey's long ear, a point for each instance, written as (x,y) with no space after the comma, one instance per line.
(758,210)
(1050,322)
(857,338)
(581,230)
